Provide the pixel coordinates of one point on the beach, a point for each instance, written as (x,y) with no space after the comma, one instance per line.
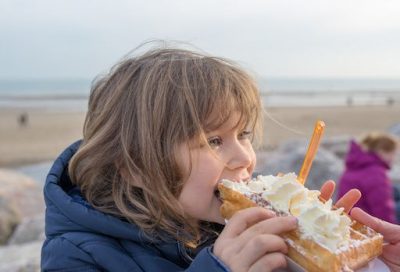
(353,121)
(44,136)
(47,133)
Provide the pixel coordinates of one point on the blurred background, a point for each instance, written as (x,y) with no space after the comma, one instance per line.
(337,61)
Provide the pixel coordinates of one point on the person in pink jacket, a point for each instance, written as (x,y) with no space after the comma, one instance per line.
(367,164)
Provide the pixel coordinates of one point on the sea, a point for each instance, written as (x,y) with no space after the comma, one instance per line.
(72,94)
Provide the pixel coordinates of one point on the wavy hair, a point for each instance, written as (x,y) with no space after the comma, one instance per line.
(138,115)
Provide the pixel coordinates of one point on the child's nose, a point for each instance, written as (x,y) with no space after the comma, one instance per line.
(241,156)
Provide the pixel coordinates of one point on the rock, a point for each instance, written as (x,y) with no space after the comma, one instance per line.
(20,198)
(37,171)
(338,145)
(289,158)
(9,219)
(21,258)
(394,173)
(29,230)
(23,190)
(290,145)
(395,129)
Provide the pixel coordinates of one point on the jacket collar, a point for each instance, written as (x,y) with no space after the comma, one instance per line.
(68,211)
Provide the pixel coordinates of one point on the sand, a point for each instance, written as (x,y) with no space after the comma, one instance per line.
(42,139)
(290,123)
(48,133)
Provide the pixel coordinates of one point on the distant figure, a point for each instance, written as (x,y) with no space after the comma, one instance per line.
(349,101)
(390,101)
(367,164)
(23,119)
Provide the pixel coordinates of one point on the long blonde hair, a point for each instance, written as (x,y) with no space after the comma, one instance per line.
(138,115)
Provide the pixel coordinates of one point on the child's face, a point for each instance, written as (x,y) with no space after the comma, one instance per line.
(231,156)
(388,157)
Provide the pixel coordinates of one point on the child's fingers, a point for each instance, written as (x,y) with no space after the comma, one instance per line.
(365,218)
(349,200)
(269,262)
(244,219)
(260,245)
(276,225)
(228,243)
(389,231)
(327,189)
(391,256)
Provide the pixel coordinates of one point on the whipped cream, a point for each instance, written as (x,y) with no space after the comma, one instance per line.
(317,221)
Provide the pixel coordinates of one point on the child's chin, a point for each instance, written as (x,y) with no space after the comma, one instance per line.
(216,216)
(219,220)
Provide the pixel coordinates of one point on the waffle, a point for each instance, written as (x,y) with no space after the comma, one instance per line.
(362,245)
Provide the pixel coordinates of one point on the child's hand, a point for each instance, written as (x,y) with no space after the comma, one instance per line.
(391,235)
(250,241)
(347,201)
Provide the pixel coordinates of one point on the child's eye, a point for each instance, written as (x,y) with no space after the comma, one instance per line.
(214,141)
(246,134)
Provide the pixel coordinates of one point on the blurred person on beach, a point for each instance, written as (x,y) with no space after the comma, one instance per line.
(139,192)
(23,119)
(391,236)
(367,164)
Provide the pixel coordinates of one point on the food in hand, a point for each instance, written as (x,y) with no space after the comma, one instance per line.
(326,239)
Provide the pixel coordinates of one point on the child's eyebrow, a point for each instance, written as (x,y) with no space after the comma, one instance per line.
(212,125)
(241,126)
(208,131)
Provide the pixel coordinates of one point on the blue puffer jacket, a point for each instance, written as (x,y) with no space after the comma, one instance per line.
(80,238)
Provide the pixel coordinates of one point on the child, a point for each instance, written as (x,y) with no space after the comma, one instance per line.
(367,164)
(138,193)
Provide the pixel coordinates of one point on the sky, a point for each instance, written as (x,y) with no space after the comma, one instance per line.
(282,38)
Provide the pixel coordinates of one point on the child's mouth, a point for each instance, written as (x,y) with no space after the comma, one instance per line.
(217,194)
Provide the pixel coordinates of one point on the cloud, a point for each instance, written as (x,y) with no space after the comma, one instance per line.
(59,38)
